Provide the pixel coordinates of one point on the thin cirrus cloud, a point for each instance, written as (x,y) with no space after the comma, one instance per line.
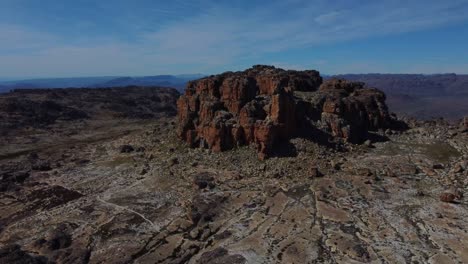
(209,36)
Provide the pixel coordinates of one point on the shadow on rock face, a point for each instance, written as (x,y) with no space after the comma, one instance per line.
(204,180)
(205,207)
(57,238)
(399,125)
(221,256)
(373,137)
(312,133)
(284,148)
(13,254)
(59,247)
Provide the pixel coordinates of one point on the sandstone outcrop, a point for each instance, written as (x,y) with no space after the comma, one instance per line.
(265,105)
(350,110)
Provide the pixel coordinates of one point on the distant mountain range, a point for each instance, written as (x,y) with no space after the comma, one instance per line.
(175,81)
(414,84)
(422,96)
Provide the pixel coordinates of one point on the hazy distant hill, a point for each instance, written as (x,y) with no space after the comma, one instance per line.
(4,89)
(414,84)
(55,82)
(175,81)
(422,96)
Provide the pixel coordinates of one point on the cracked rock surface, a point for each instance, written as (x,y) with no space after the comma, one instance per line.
(81,199)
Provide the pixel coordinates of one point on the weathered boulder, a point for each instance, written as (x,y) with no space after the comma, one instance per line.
(265,105)
(350,110)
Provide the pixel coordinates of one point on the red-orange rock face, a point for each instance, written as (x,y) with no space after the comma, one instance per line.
(258,106)
(351,110)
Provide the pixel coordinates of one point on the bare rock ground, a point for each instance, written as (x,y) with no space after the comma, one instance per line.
(129,191)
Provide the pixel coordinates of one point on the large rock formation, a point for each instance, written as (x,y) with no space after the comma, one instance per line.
(349,110)
(265,105)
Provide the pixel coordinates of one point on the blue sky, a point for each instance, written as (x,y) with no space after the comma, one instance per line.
(52,38)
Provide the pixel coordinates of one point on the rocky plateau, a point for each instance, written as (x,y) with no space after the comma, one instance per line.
(259,166)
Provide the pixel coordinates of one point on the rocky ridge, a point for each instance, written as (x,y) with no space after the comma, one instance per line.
(35,108)
(265,106)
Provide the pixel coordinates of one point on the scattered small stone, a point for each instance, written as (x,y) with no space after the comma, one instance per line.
(250,205)
(42,166)
(364,172)
(368,143)
(335,165)
(315,173)
(438,167)
(204,207)
(173,161)
(223,235)
(33,156)
(429,172)
(458,168)
(140,149)
(126,149)
(448,197)
(82,162)
(194,164)
(204,180)
(390,173)
(194,233)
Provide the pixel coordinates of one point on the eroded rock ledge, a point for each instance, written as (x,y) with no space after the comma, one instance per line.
(265,105)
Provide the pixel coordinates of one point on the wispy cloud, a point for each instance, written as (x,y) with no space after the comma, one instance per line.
(16,38)
(328,18)
(216,34)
